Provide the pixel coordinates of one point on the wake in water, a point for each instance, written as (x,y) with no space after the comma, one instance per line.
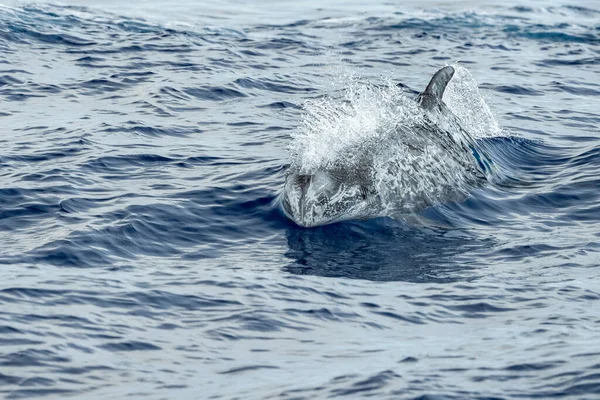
(376,152)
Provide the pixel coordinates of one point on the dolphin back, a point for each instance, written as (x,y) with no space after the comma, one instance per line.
(432,95)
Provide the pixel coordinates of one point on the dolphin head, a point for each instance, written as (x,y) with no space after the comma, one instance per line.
(324,197)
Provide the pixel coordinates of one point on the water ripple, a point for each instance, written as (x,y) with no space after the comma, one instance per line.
(144,253)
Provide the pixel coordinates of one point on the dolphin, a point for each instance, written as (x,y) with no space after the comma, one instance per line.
(414,166)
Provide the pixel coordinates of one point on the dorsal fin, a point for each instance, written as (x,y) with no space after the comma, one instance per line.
(435,90)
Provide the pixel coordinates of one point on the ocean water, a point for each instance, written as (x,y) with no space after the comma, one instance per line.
(144,254)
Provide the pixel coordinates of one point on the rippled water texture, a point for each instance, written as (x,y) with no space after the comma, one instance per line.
(143,252)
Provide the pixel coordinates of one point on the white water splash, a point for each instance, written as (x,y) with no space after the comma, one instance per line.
(331,126)
(464,100)
(333,131)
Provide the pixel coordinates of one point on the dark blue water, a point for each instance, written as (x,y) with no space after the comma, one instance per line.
(143,253)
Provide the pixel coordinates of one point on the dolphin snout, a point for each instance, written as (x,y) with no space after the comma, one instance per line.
(306,196)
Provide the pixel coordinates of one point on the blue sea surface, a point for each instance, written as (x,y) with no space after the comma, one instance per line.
(144,254)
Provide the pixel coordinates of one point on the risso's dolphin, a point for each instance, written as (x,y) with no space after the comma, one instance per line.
(426,160)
